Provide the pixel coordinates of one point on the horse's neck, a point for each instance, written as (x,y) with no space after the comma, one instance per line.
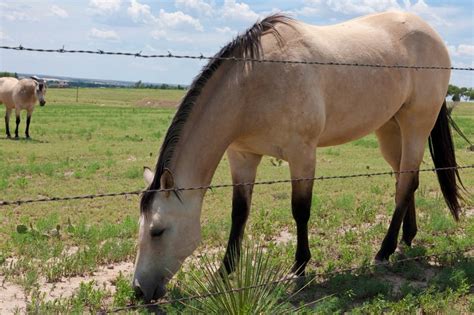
(207,133)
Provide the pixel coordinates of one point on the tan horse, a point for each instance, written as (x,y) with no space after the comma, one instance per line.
(287,111)
(21,95)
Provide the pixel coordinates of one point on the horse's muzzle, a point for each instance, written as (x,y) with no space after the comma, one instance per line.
(42,103)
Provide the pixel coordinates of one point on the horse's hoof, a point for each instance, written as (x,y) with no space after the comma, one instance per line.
(380,258)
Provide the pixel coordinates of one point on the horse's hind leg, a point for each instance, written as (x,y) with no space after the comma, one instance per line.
(244,169)
(8,112)
(302,165)
(390,141)
(414,131)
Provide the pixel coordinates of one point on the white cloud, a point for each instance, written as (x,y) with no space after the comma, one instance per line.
(431,14)
(140,12)
(103,34)
(467,50)
(306,11)
(163,35)
(238,11)
(58,11)
(225,30)
(198,6)
(461,50)
(3,36)
(361,6)
(105,6)
(178,19)
(15,13)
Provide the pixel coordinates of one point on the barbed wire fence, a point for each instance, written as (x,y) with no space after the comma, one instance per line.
(217,186)
(311,278)
(170,55)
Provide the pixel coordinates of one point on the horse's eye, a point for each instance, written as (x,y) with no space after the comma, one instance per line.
(157,232)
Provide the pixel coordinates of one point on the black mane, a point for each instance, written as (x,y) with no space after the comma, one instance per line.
(246,45)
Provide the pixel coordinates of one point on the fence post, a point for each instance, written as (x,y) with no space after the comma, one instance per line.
(77,94)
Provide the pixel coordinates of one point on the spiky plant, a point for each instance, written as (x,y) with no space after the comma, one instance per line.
(254,288)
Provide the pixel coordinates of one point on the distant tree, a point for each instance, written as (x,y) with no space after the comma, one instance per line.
(164,86)
(139,84)
(8,74)
(456,98)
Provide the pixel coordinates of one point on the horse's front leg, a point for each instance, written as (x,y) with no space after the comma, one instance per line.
(302,192)
(7,122)
(243,168)
(28,121)
(17,113)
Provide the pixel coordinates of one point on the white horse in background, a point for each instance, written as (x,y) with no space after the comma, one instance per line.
(21,95)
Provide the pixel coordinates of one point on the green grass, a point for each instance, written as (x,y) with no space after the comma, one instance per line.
(101,144)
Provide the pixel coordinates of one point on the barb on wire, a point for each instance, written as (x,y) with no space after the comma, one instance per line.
(237,59)
(311,278)
(205,187)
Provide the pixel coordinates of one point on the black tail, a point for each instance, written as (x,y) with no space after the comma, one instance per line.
(442,152)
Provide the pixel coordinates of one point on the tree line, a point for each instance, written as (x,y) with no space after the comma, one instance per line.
(460,93)
(8,74)
(162,86)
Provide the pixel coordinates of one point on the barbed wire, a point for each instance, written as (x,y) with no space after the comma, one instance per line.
(312,278)
(217,186)
(236,59)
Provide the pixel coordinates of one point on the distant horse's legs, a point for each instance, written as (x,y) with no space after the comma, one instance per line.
(244,168)
(391,147)
(28,120)
(302,166)
(414,135)
(7,122)
(17,113)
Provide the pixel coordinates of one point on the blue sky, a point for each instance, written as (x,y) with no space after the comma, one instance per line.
(186,27)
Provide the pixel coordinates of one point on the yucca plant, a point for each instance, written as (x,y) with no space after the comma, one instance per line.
(260,277)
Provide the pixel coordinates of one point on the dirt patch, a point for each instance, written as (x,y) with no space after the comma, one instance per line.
(469,212)
(104,278)
(152,102)
(12,297)
(285,237)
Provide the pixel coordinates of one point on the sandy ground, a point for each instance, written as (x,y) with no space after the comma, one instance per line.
(12,297)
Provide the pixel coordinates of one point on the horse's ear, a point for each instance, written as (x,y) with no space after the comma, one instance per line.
(167,181)
(148,175)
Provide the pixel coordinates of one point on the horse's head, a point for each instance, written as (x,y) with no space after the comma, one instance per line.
(169,232)
(40,90)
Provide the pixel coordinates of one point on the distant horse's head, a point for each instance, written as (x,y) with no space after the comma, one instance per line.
(169,232)
(40,89)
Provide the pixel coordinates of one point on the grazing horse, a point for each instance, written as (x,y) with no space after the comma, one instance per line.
(21,95)
(286,111)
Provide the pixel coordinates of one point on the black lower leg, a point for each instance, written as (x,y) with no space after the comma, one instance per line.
(240,213)
(403,200)
(7,126)
(389,243)
(28,120)
(409,223)
(17,125)
(301,208)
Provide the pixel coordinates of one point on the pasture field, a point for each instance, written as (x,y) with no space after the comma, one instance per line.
(77,256)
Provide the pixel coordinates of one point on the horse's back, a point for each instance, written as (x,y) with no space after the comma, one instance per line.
(343,103)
